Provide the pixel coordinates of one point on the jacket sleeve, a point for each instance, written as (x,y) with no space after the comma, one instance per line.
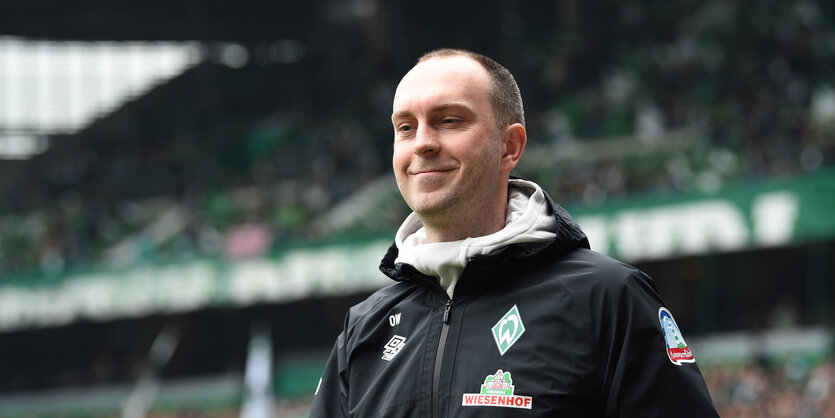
(639,378)
(331,399)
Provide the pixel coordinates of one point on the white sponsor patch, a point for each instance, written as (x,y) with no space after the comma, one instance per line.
(497,390)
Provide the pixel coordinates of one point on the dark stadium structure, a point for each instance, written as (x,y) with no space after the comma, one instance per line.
(282,125)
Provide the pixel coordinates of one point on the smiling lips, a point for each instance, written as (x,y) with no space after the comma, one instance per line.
(430,170)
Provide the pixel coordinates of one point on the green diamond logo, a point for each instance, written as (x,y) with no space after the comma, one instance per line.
(508,330)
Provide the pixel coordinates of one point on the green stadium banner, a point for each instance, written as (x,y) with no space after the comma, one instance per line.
(764,214)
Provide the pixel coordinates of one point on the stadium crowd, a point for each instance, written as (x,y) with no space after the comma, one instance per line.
(792,391)
(719,90)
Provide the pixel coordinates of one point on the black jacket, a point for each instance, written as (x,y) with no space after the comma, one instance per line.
(549,330)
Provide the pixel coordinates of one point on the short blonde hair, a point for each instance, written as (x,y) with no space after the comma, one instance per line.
(505,96)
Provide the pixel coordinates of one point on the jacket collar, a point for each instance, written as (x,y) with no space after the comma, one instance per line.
(568,237)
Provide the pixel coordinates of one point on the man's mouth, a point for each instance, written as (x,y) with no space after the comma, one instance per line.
(431,170)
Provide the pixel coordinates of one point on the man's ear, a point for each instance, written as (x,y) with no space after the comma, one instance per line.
(514,138)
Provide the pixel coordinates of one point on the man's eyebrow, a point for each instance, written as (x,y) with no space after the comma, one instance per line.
(447,106)
(435,109)
(401,115)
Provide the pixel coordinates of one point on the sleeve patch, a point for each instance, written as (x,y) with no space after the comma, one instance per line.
(677,350)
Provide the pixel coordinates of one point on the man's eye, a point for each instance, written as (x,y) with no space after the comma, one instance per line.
(405,128)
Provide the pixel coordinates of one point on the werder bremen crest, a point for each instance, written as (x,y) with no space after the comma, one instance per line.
(508,330)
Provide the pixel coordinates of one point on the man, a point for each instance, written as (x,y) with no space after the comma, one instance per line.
(499,307)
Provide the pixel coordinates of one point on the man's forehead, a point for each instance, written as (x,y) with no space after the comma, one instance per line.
(446,67)
(442,79)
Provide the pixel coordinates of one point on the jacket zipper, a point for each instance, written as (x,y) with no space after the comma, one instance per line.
(439,359)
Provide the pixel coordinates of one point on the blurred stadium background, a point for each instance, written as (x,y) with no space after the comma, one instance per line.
(194,192)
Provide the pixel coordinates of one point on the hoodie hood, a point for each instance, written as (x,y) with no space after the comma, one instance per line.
(533,223)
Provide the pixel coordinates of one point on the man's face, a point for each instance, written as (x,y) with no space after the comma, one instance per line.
(446,144)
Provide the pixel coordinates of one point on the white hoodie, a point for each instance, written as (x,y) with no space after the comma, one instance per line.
(528,220)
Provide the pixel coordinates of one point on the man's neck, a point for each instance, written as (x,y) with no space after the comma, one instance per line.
(469,225)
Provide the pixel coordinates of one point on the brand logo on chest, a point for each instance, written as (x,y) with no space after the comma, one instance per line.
(393,347)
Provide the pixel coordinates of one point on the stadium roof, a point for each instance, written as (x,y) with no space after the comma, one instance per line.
(50,45)
(204,20)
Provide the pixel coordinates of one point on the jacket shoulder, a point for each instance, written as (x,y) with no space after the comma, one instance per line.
(584,268)
(379,298)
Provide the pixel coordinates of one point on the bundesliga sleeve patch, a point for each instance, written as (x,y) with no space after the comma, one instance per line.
(677,349)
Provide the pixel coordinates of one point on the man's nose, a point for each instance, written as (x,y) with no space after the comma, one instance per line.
(426,141)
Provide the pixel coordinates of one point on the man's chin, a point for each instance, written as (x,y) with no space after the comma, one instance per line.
(431,206)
